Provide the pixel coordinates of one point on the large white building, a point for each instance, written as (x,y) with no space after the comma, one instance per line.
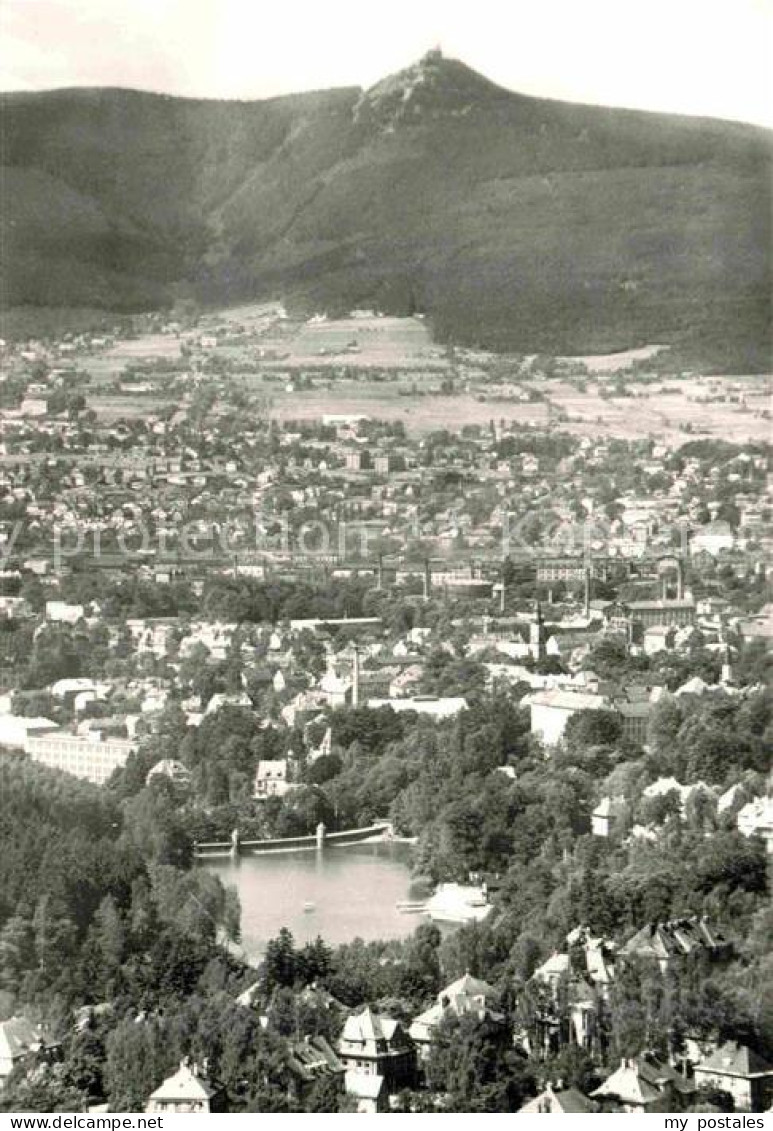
(17,730)
(94,759)
(552,709)
(437,707)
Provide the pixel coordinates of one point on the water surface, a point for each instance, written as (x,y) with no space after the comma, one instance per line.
(340,893)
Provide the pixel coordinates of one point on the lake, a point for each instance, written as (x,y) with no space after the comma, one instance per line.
(354,891)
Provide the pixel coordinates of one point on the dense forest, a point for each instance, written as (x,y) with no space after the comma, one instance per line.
(666,215)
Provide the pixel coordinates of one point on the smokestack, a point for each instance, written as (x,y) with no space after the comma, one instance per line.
(356,678)
(679,579)
(586,601)
(427,579)
(380,572)
(502,596)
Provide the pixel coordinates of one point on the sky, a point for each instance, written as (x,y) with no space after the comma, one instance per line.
(712,57)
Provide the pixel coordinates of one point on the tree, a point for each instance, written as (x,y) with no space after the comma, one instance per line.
(280,966)
(314,961)
(325,1095)
(663,725)
(419,972)
(153,824)
(473,1061)
(139,1057)
(574,1067)
(593,728)
(54,936)
(42,1092)
(84,1059)
(16,952)
(110,938)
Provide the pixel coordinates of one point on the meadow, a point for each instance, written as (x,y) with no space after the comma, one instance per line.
(390,368)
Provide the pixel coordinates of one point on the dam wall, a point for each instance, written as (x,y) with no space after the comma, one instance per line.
(382,830)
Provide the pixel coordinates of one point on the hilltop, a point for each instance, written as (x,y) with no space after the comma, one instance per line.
(510,221)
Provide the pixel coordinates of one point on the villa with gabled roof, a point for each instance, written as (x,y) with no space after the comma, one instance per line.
(741,1072)
(375,1046)
(467,996)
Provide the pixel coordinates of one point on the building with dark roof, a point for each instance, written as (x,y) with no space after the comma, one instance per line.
(643,1084)
(310,1060)
(376,1046)
(741,1072)
(559,1101)
(676,939)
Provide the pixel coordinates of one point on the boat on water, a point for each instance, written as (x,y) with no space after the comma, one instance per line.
(309,907)
(411,906)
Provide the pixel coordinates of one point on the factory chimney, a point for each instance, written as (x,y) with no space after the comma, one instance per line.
(356,677)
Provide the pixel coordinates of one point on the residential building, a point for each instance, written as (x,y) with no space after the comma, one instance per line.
(379,1058)
(64,613)
(189,1091)
(756,818)
(581,976)
(310,1060)
(741,1072)
(607,814)
(19,1039)
(644,1084)
(676,940)
(465,997)
(558,1101)
(271,779)
(170,769)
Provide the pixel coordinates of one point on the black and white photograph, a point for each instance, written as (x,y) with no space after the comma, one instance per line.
(386,560)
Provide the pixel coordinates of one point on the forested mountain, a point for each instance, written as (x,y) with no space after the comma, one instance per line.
(510,221)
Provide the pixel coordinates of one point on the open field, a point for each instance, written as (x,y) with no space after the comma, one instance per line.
(367,342)
(420,414)
(110,408)
(105,367)
(668,408)
(389,368)
(613,362)
(590,415)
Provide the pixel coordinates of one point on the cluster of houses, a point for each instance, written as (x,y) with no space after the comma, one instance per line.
(376,1056)
(164,468)
(520,540)
(99,722)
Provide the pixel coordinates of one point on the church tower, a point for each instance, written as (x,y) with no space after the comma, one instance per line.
(537,636)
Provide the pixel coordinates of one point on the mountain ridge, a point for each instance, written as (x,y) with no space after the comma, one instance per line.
(511,221)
